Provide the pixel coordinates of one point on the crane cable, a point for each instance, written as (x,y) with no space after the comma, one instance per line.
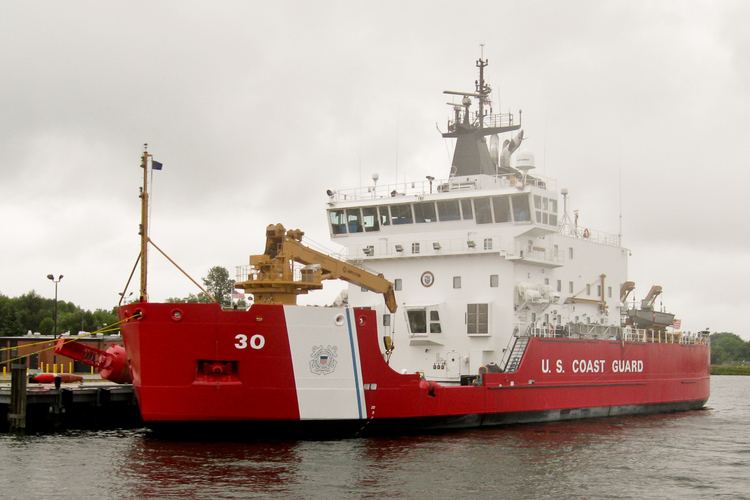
(108,328)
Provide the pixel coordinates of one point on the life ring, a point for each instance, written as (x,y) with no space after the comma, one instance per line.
(586,233)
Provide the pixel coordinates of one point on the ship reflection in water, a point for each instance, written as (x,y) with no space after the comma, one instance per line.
(693,454)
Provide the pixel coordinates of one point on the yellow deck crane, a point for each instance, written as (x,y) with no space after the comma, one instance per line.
(273,280)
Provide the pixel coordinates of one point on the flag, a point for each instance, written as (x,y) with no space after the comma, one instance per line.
(155,165)
(676,324)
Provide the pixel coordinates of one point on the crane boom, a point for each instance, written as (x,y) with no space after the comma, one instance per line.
(273,280)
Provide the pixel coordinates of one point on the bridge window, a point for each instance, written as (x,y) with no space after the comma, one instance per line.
(353,220)
(545,210)
(385,219)
(401,214)
(448,210)
(521,210)
(424,212)
(338,223)
(370,219)
(477,318)
(483,210)
(501,207)
(466,210)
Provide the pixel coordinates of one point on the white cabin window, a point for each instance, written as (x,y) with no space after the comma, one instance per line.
(488,243)
(570,287)
(401,214)
(417,321)
(448,210)
(609,291)
(546,281)
(434,316)
(466,212)
(477,319)
(385,218)
(588,289)
(386,319)
(521,210)
(483,210)
(353,220)
(424,212)
(423,320)
(494,280)
(501,207)
(457,282)
(598,290)
(370,219)
(415,248)
(570,253)
(338,222)
(397,284)
(559,285)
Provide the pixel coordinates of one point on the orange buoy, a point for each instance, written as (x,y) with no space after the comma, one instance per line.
(49,378)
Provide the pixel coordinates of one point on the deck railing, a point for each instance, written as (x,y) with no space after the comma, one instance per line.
(625,334)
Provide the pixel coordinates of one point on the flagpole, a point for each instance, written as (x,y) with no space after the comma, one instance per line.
(143,230)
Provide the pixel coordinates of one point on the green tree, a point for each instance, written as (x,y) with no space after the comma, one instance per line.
(218,284)
(728,348)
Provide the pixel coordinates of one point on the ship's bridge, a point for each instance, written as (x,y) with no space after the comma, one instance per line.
(457,215)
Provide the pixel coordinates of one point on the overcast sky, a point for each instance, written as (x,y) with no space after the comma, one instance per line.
(256,108)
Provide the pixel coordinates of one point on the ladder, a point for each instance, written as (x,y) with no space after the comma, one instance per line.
(516,354)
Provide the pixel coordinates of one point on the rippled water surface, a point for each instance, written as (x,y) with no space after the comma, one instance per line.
(699,454)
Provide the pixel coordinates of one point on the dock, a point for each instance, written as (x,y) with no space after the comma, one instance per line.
(90,404)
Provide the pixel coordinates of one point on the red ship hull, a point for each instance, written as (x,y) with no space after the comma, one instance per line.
(321,369)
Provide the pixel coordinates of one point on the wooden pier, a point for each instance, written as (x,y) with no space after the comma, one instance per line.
(92,403)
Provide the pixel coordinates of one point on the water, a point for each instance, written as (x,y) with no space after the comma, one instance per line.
(697,454)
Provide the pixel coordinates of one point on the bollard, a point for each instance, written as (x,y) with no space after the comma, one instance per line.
(70,367)
(17,410)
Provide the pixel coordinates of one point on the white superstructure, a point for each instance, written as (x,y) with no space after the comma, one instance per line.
(480,259)
(473,260)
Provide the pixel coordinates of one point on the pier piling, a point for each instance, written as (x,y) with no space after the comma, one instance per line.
(17,413)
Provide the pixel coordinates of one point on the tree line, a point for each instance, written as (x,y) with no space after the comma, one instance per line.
(33,312)
(728,349)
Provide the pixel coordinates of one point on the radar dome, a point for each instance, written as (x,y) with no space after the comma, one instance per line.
(525,161)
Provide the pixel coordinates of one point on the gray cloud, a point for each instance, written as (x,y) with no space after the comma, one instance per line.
(256,109)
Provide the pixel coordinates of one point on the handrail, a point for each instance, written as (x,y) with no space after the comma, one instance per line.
(625,334)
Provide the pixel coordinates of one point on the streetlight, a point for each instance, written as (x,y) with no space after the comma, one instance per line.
(54,332)
(55,281)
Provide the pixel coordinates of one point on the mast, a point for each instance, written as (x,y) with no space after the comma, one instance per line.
(143,228)
(471,155)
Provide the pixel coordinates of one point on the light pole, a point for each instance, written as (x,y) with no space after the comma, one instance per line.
(54,332)
(55,281)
